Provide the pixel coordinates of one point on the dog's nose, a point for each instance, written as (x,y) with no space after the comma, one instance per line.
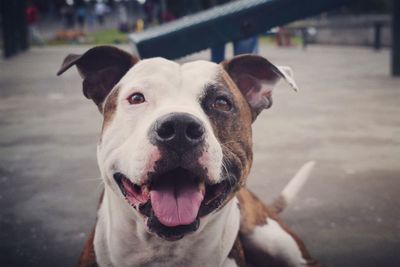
(179,131)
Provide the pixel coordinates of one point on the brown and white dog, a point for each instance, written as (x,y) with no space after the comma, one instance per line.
(174,154)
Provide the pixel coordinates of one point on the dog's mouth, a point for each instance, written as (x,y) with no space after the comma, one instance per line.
(173,202)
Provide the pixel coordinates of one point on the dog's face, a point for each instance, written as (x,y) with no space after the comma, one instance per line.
(176,140)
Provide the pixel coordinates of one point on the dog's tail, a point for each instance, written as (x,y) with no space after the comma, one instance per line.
(293,187)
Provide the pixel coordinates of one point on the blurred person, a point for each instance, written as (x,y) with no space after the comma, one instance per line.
(218,53)
(165,14)
(304,37)
(245,46)
(32,17)
(306,34)
(123,18)
(81,13)
(176,7)
(68,13)
(100,10)
(139,25)
(283,37)
(152,10)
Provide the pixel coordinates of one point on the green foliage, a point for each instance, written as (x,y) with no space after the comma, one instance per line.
(112,36)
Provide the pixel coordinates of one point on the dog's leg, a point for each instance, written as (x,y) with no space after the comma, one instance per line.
(267,241)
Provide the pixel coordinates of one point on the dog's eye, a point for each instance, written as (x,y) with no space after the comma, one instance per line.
(136,98)
(222,103)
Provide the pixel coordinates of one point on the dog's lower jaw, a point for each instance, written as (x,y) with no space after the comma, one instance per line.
(121,238)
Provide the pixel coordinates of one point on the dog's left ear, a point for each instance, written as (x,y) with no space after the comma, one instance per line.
(256,77)
(101,68)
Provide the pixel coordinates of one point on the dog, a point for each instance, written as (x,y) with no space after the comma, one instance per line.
(174,154)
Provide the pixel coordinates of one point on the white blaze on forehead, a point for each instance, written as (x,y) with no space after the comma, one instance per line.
(163,75)
(168,86)
(198,74)
(153,69)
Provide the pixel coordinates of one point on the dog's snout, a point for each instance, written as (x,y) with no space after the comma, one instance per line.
(179,131)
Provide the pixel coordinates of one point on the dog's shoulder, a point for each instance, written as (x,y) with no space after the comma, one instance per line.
(253,212)
(237,253)
(88,256)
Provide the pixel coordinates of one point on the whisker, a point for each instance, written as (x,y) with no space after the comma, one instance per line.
(229,178)
(90,179)
(230,142)
(100,186)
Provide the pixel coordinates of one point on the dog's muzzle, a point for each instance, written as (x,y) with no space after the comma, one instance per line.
(177,192)
(173,202)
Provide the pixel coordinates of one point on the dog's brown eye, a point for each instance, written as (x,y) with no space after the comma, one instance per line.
(222,103)
(136,98)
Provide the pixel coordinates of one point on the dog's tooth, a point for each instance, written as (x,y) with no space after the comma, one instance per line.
(145,189)
(145,192)
(202,187)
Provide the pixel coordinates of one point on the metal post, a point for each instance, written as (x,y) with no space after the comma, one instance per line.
(377,35)
(8,37)
(22,25)
(15,33)
(396,38)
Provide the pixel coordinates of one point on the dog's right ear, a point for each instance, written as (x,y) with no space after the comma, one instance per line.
(101,68)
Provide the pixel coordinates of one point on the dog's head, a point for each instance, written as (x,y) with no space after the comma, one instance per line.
(176,140)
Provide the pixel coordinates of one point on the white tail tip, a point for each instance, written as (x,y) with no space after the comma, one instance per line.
(297,182)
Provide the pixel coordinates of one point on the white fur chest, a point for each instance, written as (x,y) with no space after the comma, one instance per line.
(122,241)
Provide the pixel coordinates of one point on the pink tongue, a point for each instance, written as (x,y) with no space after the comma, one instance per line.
(176,204)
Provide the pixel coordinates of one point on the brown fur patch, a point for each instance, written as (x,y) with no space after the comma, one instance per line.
(254,213)
(110,107)
(237,253)
(88,257)
(233,132)
(238,137)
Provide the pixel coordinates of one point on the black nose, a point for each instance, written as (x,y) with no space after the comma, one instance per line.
(178,131)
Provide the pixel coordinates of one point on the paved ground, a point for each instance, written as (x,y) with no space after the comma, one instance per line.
(346,117)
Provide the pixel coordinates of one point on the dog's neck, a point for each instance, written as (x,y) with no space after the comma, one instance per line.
(121,238)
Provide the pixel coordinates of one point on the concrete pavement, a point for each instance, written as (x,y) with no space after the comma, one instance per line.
(346,117)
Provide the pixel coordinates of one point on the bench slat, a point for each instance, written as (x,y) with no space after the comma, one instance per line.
(219,25)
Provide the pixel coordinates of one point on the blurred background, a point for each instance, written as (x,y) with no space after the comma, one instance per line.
(346,61)
(92,22)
